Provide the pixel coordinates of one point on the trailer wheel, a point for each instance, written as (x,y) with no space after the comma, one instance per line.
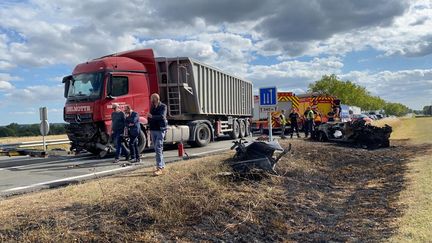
(242,131)
(235,133)
(248,128)
(202,136)
(142,141)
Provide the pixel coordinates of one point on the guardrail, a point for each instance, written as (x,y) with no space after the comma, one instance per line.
(33,144)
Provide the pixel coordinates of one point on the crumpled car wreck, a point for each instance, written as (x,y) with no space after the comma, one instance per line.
(257,157)
(358,133)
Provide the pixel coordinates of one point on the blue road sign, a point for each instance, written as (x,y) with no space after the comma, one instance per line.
(268,96)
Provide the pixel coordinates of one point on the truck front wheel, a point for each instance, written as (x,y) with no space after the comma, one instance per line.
(142,140)
(202,136)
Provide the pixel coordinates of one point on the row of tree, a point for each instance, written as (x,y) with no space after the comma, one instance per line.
(353,94)
(16,130)
(427,110)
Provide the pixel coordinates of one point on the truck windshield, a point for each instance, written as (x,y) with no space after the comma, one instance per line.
(85,86)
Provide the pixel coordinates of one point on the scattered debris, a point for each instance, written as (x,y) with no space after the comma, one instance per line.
(256,158)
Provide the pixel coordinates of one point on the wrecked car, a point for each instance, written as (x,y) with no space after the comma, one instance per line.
(359,133)
(258,156)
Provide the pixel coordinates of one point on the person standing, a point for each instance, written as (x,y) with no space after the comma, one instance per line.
(134,129)
(158,126)
(294,116)
(283,122)
(309,119)
(118,124)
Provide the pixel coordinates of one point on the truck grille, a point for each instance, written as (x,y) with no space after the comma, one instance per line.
(81,132)
(78,118)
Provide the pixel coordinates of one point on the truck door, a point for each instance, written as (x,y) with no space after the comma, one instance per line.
(139,91)
(117,91)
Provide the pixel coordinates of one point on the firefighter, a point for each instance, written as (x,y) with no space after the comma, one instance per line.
(318,117)
(283,122)
(309,120)
(330,116)
(294,116)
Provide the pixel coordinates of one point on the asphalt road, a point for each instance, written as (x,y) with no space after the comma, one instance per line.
(25,174)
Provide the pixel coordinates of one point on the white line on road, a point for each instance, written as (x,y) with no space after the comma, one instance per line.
(64,179)
(36,164)
(208,152)
(90,175)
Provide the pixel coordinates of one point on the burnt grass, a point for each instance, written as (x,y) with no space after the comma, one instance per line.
(324,192)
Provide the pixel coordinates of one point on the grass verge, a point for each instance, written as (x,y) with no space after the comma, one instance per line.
(416,223)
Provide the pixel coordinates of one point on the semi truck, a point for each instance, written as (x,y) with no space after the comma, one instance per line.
(202,101)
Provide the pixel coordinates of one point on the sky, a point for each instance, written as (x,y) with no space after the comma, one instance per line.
(383,45)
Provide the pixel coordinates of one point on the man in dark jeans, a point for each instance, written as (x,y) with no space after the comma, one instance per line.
(134,129)
(158,126)
(118,125)
(294,116)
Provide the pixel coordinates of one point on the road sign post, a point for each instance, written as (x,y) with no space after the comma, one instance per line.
(44,125)
(268,100)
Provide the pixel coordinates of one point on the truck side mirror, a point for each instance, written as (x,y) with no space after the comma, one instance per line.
(109,87)
(66,81)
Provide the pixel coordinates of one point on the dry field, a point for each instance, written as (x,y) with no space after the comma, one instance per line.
(32,138)
(38,138)
(324,192)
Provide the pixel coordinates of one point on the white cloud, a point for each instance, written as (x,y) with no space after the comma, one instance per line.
(4,85)
(174,48)
(411,87)
(36,95)
(4,65)
(296,69)
(22,113)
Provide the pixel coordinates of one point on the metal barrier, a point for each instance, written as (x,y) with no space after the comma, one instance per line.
(33,144)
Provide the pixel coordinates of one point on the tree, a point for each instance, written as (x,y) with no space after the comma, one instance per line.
(395,109)
(427,110)
(350,93)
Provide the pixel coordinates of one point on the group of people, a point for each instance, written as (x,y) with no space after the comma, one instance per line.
(309,118)
(127,124)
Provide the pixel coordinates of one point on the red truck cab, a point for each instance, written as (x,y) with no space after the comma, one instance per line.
(95,85)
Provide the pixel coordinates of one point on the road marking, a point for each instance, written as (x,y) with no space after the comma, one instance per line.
(36,164)
(208,152)
(65,179)
(90,175)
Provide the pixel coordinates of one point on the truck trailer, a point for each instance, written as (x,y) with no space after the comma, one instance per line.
(202,101)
